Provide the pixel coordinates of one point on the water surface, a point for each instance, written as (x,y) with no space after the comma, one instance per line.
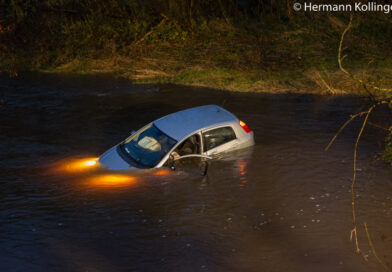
(283,205)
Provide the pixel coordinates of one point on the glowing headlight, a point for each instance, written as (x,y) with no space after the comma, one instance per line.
(90,163)
(78,165)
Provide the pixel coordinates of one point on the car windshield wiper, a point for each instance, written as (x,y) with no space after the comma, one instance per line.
(126,155)
(140,157)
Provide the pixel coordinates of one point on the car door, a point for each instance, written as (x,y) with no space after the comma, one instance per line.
(181,149)
(218,140)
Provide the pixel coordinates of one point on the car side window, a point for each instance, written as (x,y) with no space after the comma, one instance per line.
(190,146)
(217,137)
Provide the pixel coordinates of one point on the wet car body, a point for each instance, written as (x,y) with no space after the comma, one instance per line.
(200,131)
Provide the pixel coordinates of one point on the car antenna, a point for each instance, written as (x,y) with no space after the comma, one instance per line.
(224,101)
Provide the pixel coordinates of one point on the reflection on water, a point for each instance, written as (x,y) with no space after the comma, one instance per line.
(284,205)
(111,180)
(241,164)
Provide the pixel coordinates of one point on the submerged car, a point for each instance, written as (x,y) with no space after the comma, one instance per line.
(196,132)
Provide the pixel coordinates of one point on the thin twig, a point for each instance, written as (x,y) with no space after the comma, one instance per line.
(374,251)
(379,126)
(341,44)
(352,117)
(330,89)
(223,12)
(354,231)
(152,30)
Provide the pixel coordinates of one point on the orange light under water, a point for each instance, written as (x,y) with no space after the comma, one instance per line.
(79,165)
(111,180)
(162,172)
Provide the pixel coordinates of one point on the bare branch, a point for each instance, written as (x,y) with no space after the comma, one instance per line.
(354,231)
(374,251)
(152,30)
(340,46)
(352,117)
(365,85)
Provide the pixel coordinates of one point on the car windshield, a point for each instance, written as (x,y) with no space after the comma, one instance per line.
(148,146)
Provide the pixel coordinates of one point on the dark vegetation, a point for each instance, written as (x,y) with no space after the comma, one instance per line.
(242,45)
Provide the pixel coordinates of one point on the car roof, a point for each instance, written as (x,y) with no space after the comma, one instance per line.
(183,123)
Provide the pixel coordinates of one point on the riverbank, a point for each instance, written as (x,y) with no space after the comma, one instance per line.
(275,51)
(219,68)
(236,65)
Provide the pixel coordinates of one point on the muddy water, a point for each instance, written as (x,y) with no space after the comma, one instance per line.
(283,205)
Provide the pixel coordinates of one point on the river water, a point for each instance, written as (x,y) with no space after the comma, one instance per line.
(283,205)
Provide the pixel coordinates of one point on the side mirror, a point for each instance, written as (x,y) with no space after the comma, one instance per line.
(133,132)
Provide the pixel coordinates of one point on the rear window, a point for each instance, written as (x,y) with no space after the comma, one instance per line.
(216,137)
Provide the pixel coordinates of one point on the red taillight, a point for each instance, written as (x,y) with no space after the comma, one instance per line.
(245,127)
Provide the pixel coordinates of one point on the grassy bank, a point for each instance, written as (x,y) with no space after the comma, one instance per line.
(258,48)
(295,57)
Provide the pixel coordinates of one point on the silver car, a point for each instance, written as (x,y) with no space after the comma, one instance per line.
(196,132)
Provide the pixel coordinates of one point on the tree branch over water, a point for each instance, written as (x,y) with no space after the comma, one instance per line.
(370,88)
(367,86)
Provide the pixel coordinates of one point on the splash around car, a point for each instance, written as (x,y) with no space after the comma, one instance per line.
(202,131)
